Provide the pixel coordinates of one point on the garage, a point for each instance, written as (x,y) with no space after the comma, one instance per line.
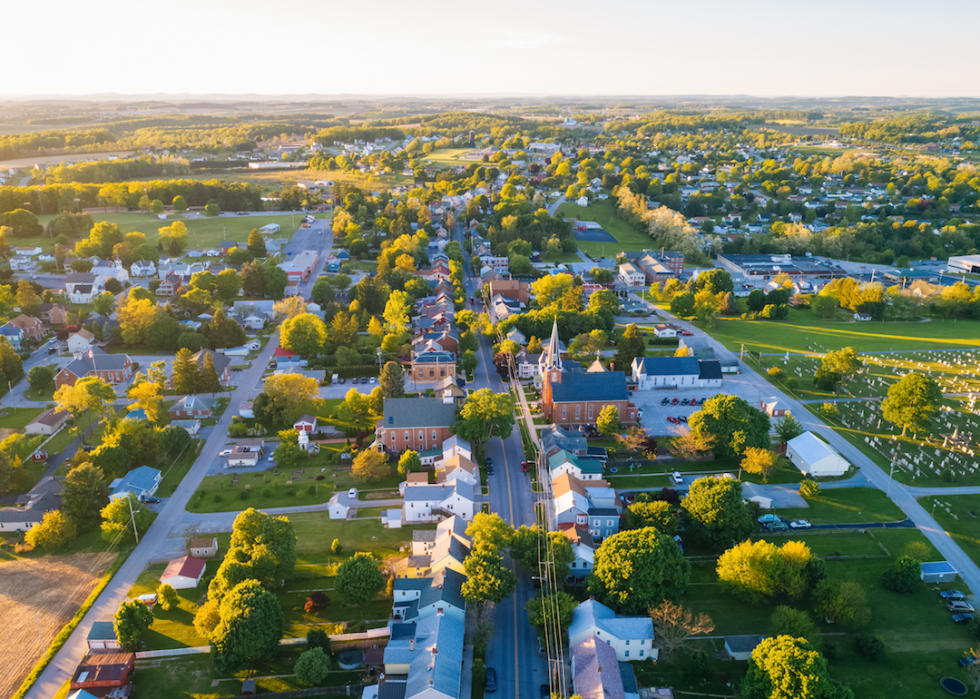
(937,572)
(814,457)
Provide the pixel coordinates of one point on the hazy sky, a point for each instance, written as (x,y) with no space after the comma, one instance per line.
(574,47)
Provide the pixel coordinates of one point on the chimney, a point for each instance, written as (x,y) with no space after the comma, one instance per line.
(592,598)
(435,650)
(430,682)
(411,645)
(600,669)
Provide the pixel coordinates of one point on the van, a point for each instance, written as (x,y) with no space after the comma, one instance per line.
(334,378)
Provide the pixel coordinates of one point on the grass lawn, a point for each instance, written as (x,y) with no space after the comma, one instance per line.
(173,629)
(804,331)
(262,490)
(847,506)
(46,394)
(604,213)
(958,516)
(17,418)
(174,473)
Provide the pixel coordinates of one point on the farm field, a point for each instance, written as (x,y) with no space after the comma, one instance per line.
(68,580)
(602,212)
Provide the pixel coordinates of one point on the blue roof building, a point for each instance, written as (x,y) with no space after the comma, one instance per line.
(142,482)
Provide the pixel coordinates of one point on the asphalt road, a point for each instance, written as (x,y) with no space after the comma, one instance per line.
(64,663)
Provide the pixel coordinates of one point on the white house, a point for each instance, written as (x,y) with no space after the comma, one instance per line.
(457,467)
(80,341)
(441,594)
(457,445)
(582,201)
(143,268)
(632,276)
(814,457)
(339,505)
(427,503)
(19,264)
(630,636)
(665,330)
(246,452)
(142,482)
(183,573)
(585,469)
(665,372)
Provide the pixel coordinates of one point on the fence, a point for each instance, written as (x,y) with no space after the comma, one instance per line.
(367,638)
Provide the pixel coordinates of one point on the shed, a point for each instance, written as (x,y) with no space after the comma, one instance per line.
(753,494)
(204,548)
(937,572)
(248,687)
(102,636)
(814,457)
(183,573)
(393,518)
(741,647)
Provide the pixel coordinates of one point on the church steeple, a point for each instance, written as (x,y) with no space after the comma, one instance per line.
(553,352)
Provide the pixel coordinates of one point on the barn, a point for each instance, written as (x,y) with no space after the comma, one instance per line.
(183,573)
(814,457)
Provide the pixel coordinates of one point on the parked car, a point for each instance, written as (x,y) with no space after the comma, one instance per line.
(952,594)
(962,618)
(800,524)
(374,379)
(684,401)
(272,458)
(686,333)
(352,494)
(341,380)
(682,418)
(665,401)
(354,380)
(676,478)
(224,452)
(152,501)
(960,606)
(675,401)
(525,466)
(491,681)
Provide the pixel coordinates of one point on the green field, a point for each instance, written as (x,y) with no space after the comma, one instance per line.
(804,331)
(17,418)
(957,514)
(847,506)
(604,213)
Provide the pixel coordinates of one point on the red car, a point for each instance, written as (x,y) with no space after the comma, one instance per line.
(686,333)
(674,402)
(524,466)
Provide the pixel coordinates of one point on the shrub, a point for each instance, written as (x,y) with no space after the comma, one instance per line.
(266,493)
(217,497)
(699,664)
(311,488)
(870,647)
(809,488)
(243,495)
(775,372)
(946,475)
(335,547)
(290,491)
(320,477)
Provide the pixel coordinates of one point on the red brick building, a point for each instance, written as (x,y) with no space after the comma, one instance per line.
(511,289)
(99,673)
(31,327)
(415,423)
(111,368)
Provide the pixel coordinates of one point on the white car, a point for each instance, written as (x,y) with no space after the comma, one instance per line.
(226,452)
(800,524)
(374,380)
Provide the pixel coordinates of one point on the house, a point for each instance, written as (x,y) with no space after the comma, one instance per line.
(111,368)
(12,334)
(142,482)
(774,407)
(527,364)
(571,395)
(582,468)
(48,422)
(169,285)
(415,599)
(28,251)
(457,446)
(21,264)
(814,457)
(429,654)
(937,572)
(192,427)
(340,505)
(53,313)
(583,546)
(192,407)
(104,672)
(512,289)
(246,452)
(285,357)
(222,365)
(31,508)
(203,548)
(741,647)
(630,637)
(595,671)
(517,336)
(183,573)
(660,265)
(433,365)
(427,503)
(102,636)
(455,468)
(306,423)
(862,317)
(415,423)
(143,269)
(665,330)
(631,276)
(80,341)
(31,327)
(83,287)
(452,389)
(226,246)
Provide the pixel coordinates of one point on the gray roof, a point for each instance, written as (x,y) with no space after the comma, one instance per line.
(43,498)
(425,493)
(578,386)
(710,369)
(220,360)
(417,412)
(95,359)
(425,535)
(80,278)
(742,644)
(591,615)
(596,670)
(446,587)
(391,690)
(102,631)
(440,660)
(669,366)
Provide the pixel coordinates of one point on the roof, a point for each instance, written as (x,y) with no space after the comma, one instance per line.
(139,479)
(306,418)
(811,448)
(937,567)
(446,587)
(440,357)
(742,644)
(50,417)
(578,386)
(417,412)
(94,359)
(185,567)
(596,671)
(710,369)
(561,457)
(81,694)
(104,667)
(84,334)
(203,542)
(221,362)
(434,493)
(668,366)
(590,615)
(439,657)
(192,403)
(102,631)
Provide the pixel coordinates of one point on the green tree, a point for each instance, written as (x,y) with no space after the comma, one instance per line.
(487,578)
(256,244)
(548,613)
(788,428)
(276,280)
(27,298)
(370,466)
(359,579)
(489,528)
(809,488)
(104,303)
(167,597)
(759,461)
(715,511)
(484,415)
(732,424)
(683,305)
(305,334)
(312,667)
(409,462)
(317,638)
(531,546)
(83,495)
(39,377)
(902,576)
(638,568)
(608,422)
(824,306)
(397,310)
(787,621)
(659,514)
(227,285)
(249,628)
(323,292)
(208,378)
(392,380)
(132,620)
(843,602)
(783,667)
(468,362)
(11,365)
(212,208)
(120,514)
(630,347)
(912,401)
(253,279)
(156,207)
(184,373)
(53,532)
(179,204)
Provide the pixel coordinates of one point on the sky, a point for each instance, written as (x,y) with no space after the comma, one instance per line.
(501,47)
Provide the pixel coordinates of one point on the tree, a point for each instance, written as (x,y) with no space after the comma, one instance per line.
(824,306)
(223,331)
(11,365)
(276,280)
(550,615)
(249,627)
(487,578)
(27,298)
(733,424)
(676,626)
(88,393)
(392,380)
(658,514)
(755,570)
(323,292)
(317,638)
(630,346)
(359,579)
(788,428)
(787,621)
(533,546)
(256,244)
(902,576)
(468,362)
(608,422)
(683,305)
(132,620)
(809,488)
(179,204)
(146,397)
(167,597)
(760,462)
(304,334)
(912,402)
(290,307)
(550,289)
(489,528)
(316,602)
(638,568)
(397,310)
(184,373)
(253,279)
(53,532)
(39,377)
(162,333)
(716,512)
(845,362)
(843,602)
(286,397)
(104,303)
(782,667)
(83,495)
(409,462)
(118,517)
(355,406)
(227,285)
(370,466)
(484,415)
(689,446)
(312,667)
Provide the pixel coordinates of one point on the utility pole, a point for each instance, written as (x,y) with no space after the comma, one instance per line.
(39,634)
(132,518)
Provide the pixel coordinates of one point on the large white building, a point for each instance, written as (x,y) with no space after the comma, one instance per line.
(630,636)
(814,457)
(675,373)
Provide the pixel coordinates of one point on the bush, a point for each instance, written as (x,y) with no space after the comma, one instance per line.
(311,488)
(335,547)
(775,372)
(870,647)
(699,664)
(809,488)
(946,475)
(217,497)
(266,493)
(243,495)
(290,491)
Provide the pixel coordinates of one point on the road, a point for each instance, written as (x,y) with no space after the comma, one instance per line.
(64,663)
(903,496)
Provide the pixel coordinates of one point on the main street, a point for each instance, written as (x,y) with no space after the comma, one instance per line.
(318,238)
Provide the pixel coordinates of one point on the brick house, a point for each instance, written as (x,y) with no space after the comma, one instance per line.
(661,265)
(191,406)
(54,313)
(415,423)
(104,672)
(111,368)
(430,366)
(221,364)
(31,327)
(511,289)
(169,285)
(571,395)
